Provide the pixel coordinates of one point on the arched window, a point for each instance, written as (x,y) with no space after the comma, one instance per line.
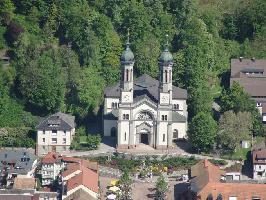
(131,75)
(165,75)
(175,134)
(127,116)
(113,104)
(113,132)
(125,137)
(165,117)
(163,137)
(170,76)
(127,74)
(162,117)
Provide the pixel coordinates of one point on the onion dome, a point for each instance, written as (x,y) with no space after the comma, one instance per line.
(127,55)
(166,56)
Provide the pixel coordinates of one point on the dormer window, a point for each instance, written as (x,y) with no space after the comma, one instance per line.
(258,104)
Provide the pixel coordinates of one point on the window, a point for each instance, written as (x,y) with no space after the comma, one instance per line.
(163,137)
(259,167)
(232,198)
(125,116)
(64,133)
(43,147)
(258,104)
(165,75)
(175,134)
(125,136)
(43,140)
(127,74)
(64,140)
(54,140)
(164,117)
(176,106)
(43,132)
(54,132)
(255,198)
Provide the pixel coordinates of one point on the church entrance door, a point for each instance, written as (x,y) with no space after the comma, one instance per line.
(144,138)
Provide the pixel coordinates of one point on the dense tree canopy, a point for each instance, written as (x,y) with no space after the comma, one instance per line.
(63,53)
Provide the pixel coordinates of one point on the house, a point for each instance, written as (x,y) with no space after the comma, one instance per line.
(145,110)
(259,164)
(14,163)
(207,181)
(52,164)
(80,182)
(27,194)
(55,133)
(251,75)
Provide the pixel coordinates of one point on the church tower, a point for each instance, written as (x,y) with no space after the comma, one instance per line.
(165,88)
(127,63)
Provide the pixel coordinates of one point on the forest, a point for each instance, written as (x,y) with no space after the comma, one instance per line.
(63,53)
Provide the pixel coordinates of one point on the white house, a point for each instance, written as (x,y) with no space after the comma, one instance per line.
(52,165)
(55,133)
(145,110)
(259,164)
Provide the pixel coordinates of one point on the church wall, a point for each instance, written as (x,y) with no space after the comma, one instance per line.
(181,127)
(144,107)
(182,106)
(124,131)
(108,125)
(162,130)
(108,104)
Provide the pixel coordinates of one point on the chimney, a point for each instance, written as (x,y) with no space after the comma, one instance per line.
(253,59)
(240,59)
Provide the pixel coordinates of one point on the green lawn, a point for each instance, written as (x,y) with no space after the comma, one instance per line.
(241,154)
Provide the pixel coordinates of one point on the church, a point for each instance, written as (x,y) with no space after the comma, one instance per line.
(145,110)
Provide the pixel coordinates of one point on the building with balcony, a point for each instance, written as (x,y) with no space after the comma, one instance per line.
(55,133)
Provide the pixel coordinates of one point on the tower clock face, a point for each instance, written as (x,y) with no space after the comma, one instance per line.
(165,99)
(126,98)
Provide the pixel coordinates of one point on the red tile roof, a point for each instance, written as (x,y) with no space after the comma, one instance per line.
(87,178)
(206,180)
(259,156)
(51,158)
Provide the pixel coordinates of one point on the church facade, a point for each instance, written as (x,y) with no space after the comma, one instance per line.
(145,110)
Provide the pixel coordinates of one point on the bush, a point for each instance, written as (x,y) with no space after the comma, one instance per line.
(218,162)
(85,143)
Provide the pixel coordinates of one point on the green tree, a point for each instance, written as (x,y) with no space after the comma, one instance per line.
(202,132)
(236,99)
(233,128)
(161,188)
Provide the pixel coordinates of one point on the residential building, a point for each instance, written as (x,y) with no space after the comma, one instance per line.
(251,75)
(208,181)
(145,110)
(14,163)
(55,133)
(52,164)
(259,164)
(80,182)
(24,194)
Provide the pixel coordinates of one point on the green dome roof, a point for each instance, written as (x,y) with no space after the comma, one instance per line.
(166,56)
(127,55)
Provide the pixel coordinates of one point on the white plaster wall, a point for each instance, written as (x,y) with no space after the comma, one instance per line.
(108,104)
(108,125)
(59,135)
(182,106)
(181,127)
(124,128)
(162,130)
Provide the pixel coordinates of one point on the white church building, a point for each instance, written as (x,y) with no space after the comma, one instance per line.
(145,110)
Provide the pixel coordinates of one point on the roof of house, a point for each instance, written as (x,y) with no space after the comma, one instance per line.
(251,74)
(52,157)
(86,177)
(259,156)
(22,161)
(206,180)
(247,65)
(57,121)
(145,85)
(87,163)
(24,183)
